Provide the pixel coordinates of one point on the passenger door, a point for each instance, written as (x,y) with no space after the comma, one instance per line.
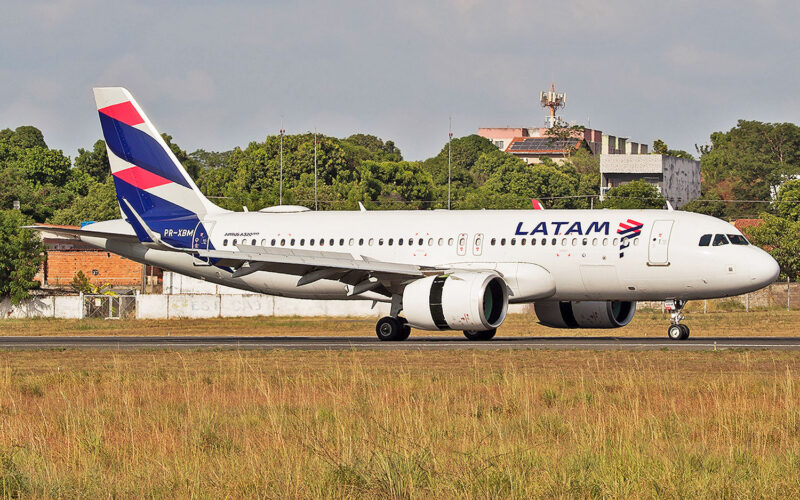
(658,249)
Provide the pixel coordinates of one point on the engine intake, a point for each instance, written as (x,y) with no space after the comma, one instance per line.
(459,301)
(585,314)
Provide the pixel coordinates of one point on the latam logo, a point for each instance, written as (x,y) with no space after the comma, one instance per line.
(627,231)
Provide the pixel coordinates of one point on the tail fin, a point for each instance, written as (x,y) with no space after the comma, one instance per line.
(155,193)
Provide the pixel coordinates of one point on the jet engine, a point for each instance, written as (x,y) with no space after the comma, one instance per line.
(463,300)
(585,314)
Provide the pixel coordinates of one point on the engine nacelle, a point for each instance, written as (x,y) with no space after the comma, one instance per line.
(462,300)
(585,314)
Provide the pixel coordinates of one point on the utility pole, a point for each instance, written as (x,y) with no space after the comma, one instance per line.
(449,159)
(280,192)
(315,169)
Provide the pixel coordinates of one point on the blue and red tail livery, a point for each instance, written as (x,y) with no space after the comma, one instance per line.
(152,186)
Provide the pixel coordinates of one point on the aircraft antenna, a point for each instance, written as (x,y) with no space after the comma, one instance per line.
(315,169)
(553,100)
(280,192)
(449,159)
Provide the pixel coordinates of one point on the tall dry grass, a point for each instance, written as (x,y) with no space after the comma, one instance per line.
(399,424)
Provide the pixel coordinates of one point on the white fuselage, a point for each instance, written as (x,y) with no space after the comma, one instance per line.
(579,251)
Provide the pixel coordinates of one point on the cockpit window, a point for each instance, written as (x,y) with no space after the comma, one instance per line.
(720,239)
(705,240)
(738,239)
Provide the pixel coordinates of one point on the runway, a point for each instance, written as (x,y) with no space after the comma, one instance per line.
(413,344)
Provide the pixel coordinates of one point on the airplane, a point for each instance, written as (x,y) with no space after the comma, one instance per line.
(440,269)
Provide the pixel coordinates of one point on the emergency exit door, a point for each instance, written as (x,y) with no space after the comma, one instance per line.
(658,250)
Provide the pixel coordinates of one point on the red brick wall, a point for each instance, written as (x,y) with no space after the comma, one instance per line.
(61,266)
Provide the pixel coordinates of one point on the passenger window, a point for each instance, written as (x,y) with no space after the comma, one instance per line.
(341,242)
(263,243)
(283,242)
(615,241)
(421,242)
(391,240)
(273,242)
(331,242)
(522,241)
(411,242)
(371,241)
(574,242)
(361,242)
(450,242)
(441,242)
(292,243)
(563,242)
(494,240)
(705,240)
(311,242)
(585,241)
(533,242)
(430,242)
(720,239)
(253,242)
(400,241)
(302,242)
(380,242)
(594,242)
(513,241)
(502,241)
(351,242)
(738,239)
(322,242)
(605,242)
(544,241)
(225,242)
(635,241)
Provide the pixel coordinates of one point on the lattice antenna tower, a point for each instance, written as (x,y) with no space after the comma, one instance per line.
(553,100)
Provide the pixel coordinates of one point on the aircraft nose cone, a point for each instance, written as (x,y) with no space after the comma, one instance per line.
(764,269)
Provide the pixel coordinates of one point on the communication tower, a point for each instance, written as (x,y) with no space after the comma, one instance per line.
(553,100)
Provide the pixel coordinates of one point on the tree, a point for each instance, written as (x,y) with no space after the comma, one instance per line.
(561,131)
(660,147)
(100,203)
(781,238)
(634,195)
(21,256)
(709,204)
(788,200)
(26,137)
(514,183)
(95,162)
(191,166)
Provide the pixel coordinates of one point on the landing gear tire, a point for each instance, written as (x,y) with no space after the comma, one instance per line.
(480,335)
(678,332)
(406,328)
(392,329)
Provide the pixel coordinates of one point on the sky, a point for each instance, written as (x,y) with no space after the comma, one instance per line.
(216,75)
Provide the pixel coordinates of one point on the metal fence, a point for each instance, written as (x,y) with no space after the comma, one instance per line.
(109,306)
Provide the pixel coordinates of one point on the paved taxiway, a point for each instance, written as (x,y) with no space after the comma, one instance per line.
(412,344)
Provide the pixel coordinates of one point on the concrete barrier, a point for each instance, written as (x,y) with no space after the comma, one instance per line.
(247,305)
(152,306)
(68,307)
(193,306)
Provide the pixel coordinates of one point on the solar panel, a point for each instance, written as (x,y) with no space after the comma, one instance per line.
(541,144)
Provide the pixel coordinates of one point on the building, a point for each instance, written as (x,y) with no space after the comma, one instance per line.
(677,179)
(65,256)
(532,145)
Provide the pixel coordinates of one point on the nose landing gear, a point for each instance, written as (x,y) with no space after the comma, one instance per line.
(677,330)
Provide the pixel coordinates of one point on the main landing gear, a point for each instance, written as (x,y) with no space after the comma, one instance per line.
(677,330)
(392,328)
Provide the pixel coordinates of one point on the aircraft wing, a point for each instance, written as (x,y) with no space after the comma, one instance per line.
(362,274)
